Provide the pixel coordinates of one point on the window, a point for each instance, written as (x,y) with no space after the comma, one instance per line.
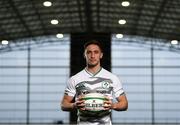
(33,81)
(150,78)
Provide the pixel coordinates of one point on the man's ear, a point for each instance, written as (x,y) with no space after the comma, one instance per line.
(101,56)
(84,55)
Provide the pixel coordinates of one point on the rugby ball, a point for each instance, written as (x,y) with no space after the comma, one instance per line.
(94,101)
(94,105)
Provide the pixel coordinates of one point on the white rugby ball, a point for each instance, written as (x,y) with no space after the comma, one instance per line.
(94,102)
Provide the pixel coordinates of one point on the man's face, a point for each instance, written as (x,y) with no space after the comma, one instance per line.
(93,55)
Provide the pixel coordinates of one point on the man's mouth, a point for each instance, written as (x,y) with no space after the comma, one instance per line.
(92,60)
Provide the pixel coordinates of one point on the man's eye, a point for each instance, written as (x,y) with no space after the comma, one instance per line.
(96,52)
(88,52)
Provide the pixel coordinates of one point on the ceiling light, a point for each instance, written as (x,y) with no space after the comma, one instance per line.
(174,42)
(47,3)
(122,21)
(125,3)
(54,22)
(4,42)
(59,35)
(119,36)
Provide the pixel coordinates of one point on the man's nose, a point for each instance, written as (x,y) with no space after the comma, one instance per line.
(92,55)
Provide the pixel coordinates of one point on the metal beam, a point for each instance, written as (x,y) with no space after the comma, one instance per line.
(88,13)
(80,13)
(158,14)
(138,15)
(98,13)
(39,17)
(11,2)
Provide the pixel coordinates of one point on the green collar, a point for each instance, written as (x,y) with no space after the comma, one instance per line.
(92,73)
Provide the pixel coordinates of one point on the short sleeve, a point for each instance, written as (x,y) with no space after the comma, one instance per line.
(117,87)
(70,88)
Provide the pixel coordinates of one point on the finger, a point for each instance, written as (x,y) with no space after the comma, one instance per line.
(79,98)
(108,102)
(83,108)
(80,101)
(107,105)
(80,104)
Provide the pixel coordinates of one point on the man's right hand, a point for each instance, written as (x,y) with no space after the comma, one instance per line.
(79,103)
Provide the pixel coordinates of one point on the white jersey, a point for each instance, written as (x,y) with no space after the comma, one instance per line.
(103,82)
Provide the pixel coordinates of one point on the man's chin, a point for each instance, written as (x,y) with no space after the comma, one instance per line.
(92,65)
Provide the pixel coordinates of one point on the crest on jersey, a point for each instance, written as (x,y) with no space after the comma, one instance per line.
(105,84)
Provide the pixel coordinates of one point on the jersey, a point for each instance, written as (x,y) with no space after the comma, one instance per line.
(103,82)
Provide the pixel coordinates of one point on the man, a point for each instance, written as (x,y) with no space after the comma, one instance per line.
(94,78)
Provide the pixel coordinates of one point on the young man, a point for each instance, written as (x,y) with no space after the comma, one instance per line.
(94,78)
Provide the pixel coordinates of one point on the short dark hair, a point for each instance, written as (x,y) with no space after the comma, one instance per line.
(95,42)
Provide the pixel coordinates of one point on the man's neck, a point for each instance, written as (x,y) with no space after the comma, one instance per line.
(94,69)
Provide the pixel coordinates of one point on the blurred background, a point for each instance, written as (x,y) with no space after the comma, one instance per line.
(41,46)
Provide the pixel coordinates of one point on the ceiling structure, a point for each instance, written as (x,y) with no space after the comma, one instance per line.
(149,18)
